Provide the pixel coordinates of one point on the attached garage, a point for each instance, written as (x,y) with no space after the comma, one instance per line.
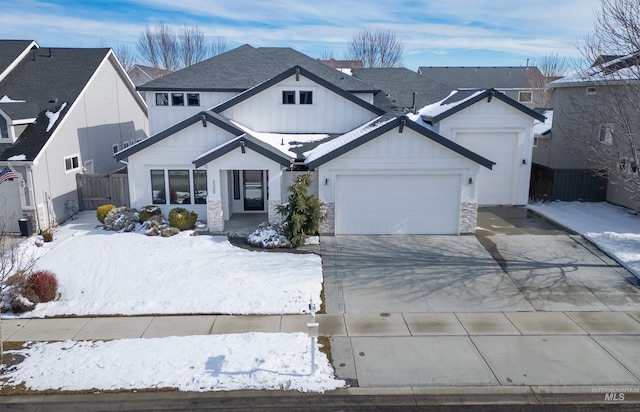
(495,186)
(397,204)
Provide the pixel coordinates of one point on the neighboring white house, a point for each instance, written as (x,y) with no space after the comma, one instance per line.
(63,111)
(378,171)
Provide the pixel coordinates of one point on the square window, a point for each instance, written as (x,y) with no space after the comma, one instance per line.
(288,97)
(306,97)
(193,99)
(591,91)
(177,99)
(162,99)
(525,97)
(115,148)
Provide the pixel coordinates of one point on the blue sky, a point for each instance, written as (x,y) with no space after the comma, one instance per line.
(434,32)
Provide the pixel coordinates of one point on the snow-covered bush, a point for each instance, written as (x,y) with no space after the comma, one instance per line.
(121,218)
(44,284)
(23,300)
(268,236)
(182,219)
(146,212)
(102,211)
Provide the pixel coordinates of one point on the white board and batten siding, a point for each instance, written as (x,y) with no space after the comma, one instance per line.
(509,145)
(329,112)
(163,117)
(398,183)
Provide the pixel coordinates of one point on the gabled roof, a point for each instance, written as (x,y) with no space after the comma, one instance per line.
(398,85)
(150,72)
(10,50)
(505,77)
(244,67)
(46,80)
(377,127)
(247,141)
(204,116)
(543,128)
(614,70)
(288,73)
(461,99)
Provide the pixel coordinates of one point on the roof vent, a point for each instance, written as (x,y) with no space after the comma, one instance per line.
(53,101)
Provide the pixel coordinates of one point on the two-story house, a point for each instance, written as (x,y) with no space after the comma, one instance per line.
(228,133)
(63,111)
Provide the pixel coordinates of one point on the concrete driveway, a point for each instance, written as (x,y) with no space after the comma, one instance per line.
(517,261)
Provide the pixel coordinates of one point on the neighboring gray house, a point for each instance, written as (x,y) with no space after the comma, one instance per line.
(523,84)
(141,74)
(591,152)
(63,111)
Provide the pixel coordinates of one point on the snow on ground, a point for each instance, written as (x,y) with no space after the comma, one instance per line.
(103,273)
(271,361)
(614,229)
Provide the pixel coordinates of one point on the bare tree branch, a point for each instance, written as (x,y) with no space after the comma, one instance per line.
(148,48)
(193,48)
(124,55)
(217,46)
(376,48)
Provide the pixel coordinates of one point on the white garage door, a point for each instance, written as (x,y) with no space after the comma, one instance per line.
(495,187)
(392,204)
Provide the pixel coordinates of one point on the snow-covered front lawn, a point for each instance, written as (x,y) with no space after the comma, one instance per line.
(271,361)
(614,229)
(105,273)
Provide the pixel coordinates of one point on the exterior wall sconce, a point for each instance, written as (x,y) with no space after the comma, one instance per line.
(524,161)
(242,148)
(326,181)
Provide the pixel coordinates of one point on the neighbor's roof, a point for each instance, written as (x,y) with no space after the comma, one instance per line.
(543,128)
(377,127)
(499,77)
(244,67)
(461,99)
(46,80)
(10,50)
(398,85)
(621,69)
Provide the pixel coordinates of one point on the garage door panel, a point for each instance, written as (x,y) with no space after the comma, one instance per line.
(394,204)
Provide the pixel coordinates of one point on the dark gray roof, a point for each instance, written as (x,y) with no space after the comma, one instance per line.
(10,50)
(249,141)
(484,77)
(45,79)
(245,67)
(398,86)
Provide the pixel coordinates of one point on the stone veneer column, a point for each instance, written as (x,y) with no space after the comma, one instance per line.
(328,227)
(468,217)
(215,219)
(273,215)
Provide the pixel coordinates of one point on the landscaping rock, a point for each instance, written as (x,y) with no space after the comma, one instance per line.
(121,218)
(169,231)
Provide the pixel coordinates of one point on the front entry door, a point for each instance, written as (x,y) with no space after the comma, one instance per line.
(253,190)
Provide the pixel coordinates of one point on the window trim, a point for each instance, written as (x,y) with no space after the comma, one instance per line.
(306,93)
(73,168)
(286,94)
(189,99)
(115,148)
(524,92)
(164,187)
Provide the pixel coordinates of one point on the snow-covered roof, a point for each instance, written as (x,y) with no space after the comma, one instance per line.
(622,69)
(288,143)
(17,158)
(543,128)
(346,138)
(7,99)
(455,98)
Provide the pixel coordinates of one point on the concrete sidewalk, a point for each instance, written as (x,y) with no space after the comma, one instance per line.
(587,349)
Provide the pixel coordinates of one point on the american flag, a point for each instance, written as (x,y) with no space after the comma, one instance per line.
(6,174)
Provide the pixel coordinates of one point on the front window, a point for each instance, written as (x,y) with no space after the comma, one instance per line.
(306,97)
(200,186)
(179,187)
(177,99)
(157,187)
(288,97)
(162,99)
(193,99)
(71,163)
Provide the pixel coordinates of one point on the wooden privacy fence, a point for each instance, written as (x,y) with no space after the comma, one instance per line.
(96,190)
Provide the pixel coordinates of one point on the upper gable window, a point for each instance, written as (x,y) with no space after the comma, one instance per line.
(162,99)
(71,163)
(306,97)
(193,99)
(177,99)
(591,90)
(288,97)
(525,97)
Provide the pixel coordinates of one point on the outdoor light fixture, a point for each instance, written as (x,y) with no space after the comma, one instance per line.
(326,181)
(242,146)
(471,180)
(297,75)
(204,120)
(524,161)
